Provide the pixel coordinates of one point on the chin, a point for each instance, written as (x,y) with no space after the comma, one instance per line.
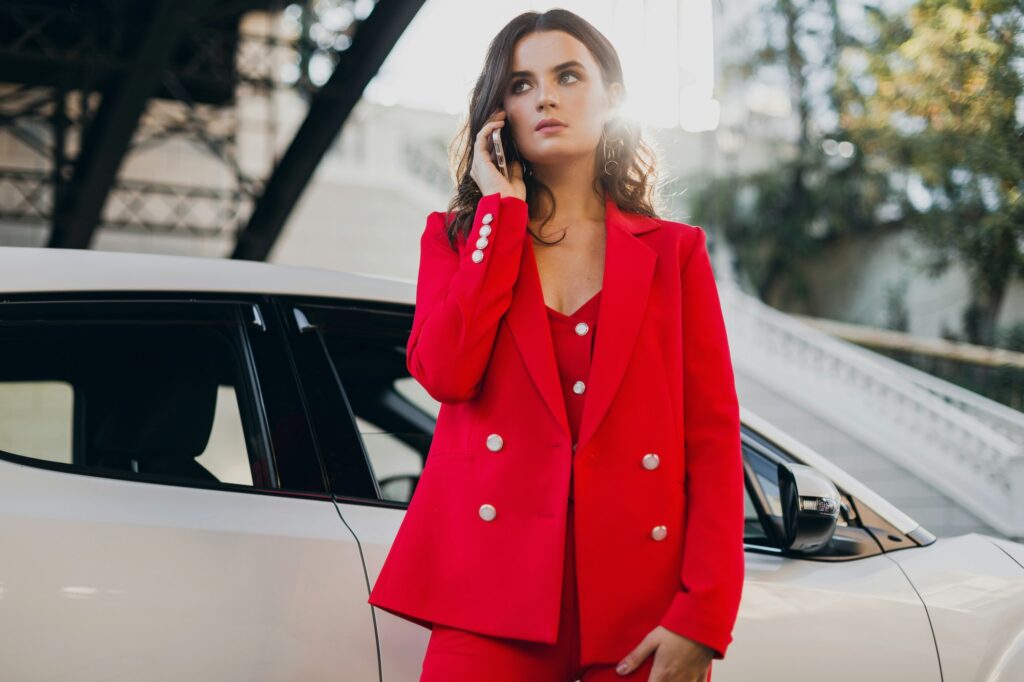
(553,154)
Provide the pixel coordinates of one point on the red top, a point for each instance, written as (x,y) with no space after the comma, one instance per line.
(573,338)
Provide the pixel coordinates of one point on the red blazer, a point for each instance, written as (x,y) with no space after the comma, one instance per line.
(661,382)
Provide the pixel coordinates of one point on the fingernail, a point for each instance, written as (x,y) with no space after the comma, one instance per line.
(623,667)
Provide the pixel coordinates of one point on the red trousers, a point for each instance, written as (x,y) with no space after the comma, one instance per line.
(455,655)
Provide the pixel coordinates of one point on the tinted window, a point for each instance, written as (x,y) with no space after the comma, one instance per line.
(153,390)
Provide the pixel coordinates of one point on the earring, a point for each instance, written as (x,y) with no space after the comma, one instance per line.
(611,164)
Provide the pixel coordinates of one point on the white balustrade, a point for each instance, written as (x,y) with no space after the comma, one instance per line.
(965,445)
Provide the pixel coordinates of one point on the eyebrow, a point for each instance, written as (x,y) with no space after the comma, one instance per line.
(563,65)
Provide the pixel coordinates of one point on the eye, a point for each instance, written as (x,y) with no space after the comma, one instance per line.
(515,86)
(571,74)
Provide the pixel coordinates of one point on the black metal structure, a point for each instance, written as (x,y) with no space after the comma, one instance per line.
(327,113)
(84,84)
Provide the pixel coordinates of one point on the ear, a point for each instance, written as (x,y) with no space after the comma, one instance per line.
(616,95)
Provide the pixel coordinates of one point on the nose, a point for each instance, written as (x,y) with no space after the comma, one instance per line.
(546,98)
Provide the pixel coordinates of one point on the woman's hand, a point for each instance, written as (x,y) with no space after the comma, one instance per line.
(676,659)
(485,174)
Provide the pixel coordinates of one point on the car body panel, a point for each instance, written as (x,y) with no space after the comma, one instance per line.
(975,598)
(104,579)
(1014,550)
(816,620)
(402,642)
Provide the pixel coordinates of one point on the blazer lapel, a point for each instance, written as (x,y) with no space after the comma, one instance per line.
(527,318)
(628,274)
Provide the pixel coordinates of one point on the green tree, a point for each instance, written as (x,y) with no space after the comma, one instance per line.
(821,188)
(940,105)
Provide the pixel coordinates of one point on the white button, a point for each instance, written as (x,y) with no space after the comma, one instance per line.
(478,256)
(582,328)
(488,512)
(481,243)
(651,461)
(659,532)
(574,447)
(488,218)
(494,442)
(485,230)
(579,387)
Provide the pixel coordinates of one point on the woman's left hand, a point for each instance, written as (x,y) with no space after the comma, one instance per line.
(676,658)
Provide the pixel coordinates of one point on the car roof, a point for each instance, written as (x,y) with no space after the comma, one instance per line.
(35,270)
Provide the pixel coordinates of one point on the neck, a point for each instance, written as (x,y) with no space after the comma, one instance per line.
(572,185)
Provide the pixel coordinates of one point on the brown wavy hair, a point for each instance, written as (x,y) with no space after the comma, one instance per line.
(631,180)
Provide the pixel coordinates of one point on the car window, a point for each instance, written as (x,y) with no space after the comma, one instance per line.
(352,362)
(766,474)
(396,463)
(753,529)
(36,419)
(124,390)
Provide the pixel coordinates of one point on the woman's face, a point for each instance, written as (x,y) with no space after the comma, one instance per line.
(554,76)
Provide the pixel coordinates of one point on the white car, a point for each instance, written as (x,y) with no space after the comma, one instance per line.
(203,463)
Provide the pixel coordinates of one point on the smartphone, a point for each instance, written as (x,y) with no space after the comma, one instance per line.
(498,153)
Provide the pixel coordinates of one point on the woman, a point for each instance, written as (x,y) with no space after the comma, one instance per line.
(580,515)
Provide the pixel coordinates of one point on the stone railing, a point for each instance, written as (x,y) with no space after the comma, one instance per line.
(951,438)
(999,417)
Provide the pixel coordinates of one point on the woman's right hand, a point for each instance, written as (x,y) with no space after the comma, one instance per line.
(485,173)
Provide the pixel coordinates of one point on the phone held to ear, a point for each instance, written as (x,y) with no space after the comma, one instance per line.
(498,153)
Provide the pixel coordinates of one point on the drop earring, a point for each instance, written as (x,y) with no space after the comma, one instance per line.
(611,163)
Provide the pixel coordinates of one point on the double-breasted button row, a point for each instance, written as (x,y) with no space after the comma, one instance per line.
(481,243)
(494,443)
(650,462)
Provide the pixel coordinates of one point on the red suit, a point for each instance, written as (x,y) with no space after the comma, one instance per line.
(657,468)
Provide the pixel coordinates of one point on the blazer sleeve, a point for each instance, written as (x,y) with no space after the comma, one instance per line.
(706,607)
(459,301)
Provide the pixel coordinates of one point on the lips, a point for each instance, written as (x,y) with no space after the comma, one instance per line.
(550,123)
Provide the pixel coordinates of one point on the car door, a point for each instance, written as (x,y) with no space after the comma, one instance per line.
(848,614)
(163,512)
(374,428)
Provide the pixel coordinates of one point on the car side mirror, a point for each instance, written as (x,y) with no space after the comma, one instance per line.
(810,507)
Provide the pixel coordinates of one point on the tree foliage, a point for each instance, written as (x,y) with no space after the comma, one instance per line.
(945,112)
(931,100)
